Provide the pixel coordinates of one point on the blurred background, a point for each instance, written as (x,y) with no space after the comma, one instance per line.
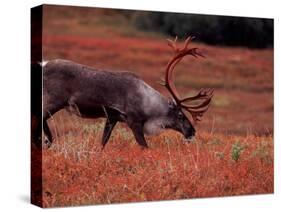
(238,63)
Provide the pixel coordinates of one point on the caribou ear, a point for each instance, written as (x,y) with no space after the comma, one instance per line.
(171,103)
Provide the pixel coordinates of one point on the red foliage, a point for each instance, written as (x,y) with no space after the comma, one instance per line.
(170,169)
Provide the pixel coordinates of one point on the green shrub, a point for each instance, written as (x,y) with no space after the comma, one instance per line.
(236,151)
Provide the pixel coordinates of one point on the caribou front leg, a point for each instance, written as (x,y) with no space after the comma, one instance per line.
(137,129)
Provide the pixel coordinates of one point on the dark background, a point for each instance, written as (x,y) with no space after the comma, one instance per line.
(210,29)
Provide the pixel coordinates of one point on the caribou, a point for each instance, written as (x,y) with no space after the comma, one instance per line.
(122,97)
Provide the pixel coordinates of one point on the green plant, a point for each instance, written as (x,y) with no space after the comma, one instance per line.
(236,151)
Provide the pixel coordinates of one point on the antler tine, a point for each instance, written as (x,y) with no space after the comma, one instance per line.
(187,41)
(197,111)
(204,93)
(205,103)
(196,53)
(173,43)
(197,114)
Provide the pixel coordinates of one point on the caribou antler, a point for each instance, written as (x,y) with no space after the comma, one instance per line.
(196,111)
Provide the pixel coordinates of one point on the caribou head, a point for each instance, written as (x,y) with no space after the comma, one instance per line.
(179,121)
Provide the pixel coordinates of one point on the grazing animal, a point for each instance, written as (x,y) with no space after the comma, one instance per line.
(121,97)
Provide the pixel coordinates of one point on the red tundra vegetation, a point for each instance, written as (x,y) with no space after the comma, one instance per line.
(232,153)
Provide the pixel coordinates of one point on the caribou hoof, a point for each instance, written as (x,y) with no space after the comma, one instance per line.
(47,144)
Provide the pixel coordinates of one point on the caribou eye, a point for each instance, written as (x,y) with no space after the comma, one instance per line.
(180,115)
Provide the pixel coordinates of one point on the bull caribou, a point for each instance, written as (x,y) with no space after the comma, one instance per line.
(122,97)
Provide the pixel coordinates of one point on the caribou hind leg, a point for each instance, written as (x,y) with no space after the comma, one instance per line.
(47,133)
(48,111)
